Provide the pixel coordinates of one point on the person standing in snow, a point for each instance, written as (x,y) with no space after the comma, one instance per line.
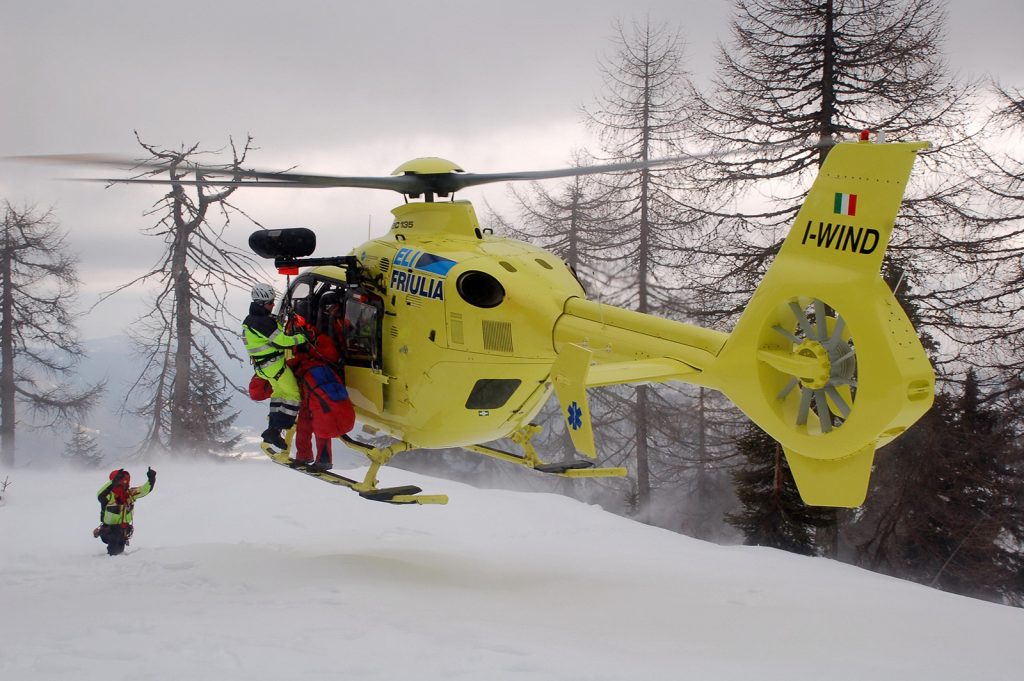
(117,501)
(266,342)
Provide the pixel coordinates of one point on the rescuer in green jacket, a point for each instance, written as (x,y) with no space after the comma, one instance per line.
(266,342)
(117,501)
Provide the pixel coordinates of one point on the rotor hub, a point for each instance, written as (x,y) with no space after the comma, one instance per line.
(428,165)
(821,364)
(813,349)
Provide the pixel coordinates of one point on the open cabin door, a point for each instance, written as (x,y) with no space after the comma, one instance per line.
(362,350)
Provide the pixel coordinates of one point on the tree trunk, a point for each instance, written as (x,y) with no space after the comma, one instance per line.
(7,413)
(183,336)
(826,124)
(643,474)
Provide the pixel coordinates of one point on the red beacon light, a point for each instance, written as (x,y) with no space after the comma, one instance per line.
(290,271)
(865,136)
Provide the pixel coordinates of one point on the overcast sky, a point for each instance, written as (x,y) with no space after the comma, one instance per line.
(333,87)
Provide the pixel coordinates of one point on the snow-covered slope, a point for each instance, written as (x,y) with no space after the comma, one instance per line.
(246,570)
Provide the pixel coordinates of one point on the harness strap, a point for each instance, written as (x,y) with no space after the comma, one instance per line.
(266,359)
(268,376)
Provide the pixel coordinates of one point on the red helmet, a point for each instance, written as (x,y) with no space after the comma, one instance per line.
(122,473)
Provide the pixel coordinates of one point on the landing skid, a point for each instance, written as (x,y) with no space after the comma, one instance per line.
(577,468)
(564,467)
(410,494)
(367,489)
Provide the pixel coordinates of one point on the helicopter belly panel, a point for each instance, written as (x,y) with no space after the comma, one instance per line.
(474,401)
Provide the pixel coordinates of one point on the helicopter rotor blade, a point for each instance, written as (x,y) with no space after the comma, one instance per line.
(401,184)
(411,184)
(210,174)
(451,182)
(473,179)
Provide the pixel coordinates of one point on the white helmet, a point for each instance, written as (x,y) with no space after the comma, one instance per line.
(263,293)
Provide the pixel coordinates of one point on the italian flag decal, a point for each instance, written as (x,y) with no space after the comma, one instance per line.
(846,204)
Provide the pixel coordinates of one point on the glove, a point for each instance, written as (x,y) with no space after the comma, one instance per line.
(300,339)
(151,476)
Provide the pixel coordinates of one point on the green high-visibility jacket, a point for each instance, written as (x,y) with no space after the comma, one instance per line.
(113,513)
(266,341)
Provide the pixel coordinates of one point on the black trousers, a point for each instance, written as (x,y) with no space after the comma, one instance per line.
(116,538)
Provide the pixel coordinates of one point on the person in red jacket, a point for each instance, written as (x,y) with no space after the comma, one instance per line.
(325,411)
(260,389)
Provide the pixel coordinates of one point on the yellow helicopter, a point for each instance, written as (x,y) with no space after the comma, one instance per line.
(456,337)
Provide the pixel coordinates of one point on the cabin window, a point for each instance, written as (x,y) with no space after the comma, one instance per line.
(362,328)
(492,393)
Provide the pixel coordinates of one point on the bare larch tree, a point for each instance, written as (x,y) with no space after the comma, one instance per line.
(38,340)
(193,277)
(1003,187)
(641,115)
(798,72)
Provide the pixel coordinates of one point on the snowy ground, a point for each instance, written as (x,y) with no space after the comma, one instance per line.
(250,571)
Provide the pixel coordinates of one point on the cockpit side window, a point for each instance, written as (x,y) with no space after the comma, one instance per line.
(298,300)
(364,313)
(351,317)
(329,311)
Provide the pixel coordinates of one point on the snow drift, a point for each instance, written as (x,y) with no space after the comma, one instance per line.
(245,570)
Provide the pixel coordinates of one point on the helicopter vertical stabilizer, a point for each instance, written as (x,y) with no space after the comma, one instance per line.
(569,375)
(838,368)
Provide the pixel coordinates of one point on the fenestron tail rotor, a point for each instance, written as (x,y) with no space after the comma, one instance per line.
(826,383)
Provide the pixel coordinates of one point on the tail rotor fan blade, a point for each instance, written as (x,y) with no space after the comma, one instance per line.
(824,337)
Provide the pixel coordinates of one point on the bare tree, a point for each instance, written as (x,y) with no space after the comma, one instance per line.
(641,115)
(38,340)
(575,222)
(796,72)
(633,241)
(1003,187)
(193,277)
